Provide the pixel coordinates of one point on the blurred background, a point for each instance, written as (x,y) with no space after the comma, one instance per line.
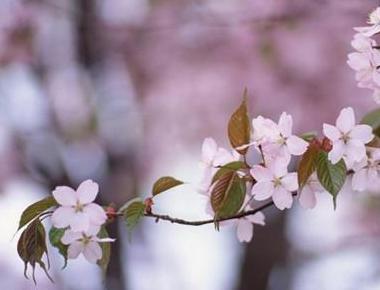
(125,91)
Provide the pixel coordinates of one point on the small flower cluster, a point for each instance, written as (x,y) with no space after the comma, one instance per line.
(277,144)
(81,218)
(366,60)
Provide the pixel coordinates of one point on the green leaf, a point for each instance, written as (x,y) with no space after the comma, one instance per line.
(165,183)
(34,210)
(106,251)
(32,246)
(55,236)
(309,136)
(228,194)
(133,212)
(331,176)
(229,167)
(239,130)
(373,119)
(307,164)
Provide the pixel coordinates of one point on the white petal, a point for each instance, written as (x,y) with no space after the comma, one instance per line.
(261,173)
(70,236)
(209,148)
(262,190)
(96,213)
(79,222)
(257,218)
(92,230)
(307,198)
(65,195)
(285,124)
(74,250)
(222,157)
(280,166)
(337,152)
(105,240)
(244,230)
(331,132)
(61,216)
(346,120)
(296,145)
(92,252)
(355,151)
(362,133)
(87,191)
(282,198)
(359,180)
(290,181)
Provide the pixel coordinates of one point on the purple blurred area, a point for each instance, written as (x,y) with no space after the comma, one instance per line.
(125,91)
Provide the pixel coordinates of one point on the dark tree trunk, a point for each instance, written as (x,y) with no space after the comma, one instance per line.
(268,249)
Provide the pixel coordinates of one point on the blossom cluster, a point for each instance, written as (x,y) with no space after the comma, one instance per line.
(366,60)
(276,144)
(82,220)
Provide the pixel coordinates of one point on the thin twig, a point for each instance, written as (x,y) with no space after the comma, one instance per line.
(209,221)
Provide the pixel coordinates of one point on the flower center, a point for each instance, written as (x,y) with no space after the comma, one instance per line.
(85,239)
(79,207)
(277,182)
(345,138)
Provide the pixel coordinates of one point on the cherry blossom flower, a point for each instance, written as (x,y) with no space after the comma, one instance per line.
(244,227)
(366,172)
(77,209)
(348,139)
(374,21)
(264,131)
(213,157)
(85,242)
(308,192)
(274,181)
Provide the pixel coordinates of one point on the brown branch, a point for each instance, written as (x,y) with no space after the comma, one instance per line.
(209,221)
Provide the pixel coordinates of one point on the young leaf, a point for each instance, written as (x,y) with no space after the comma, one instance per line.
(133,212)
(34,210)
(373,119)
(331,176)
(55,236)
(106,251)
(309,136)
(307,164)
(165,183)
(32,246)
(239,127)
(229,167)
(228,194)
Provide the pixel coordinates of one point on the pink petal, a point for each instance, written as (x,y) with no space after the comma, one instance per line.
(337,152)
(307,198)
(359,180)
(95,213)
(87,191)
(65,195)
(285,124)
(70,236)
(282,199)
(92,252)
(362,133)
(244,230)
(296,145)
(290,181)
(262,190)
(346,120)
(79,222)
(331,132)
(209,148)
(74,250)
(355,151)
(257,218)
(61,216)
(261,173)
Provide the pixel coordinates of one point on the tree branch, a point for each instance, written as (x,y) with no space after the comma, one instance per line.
(209,221)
